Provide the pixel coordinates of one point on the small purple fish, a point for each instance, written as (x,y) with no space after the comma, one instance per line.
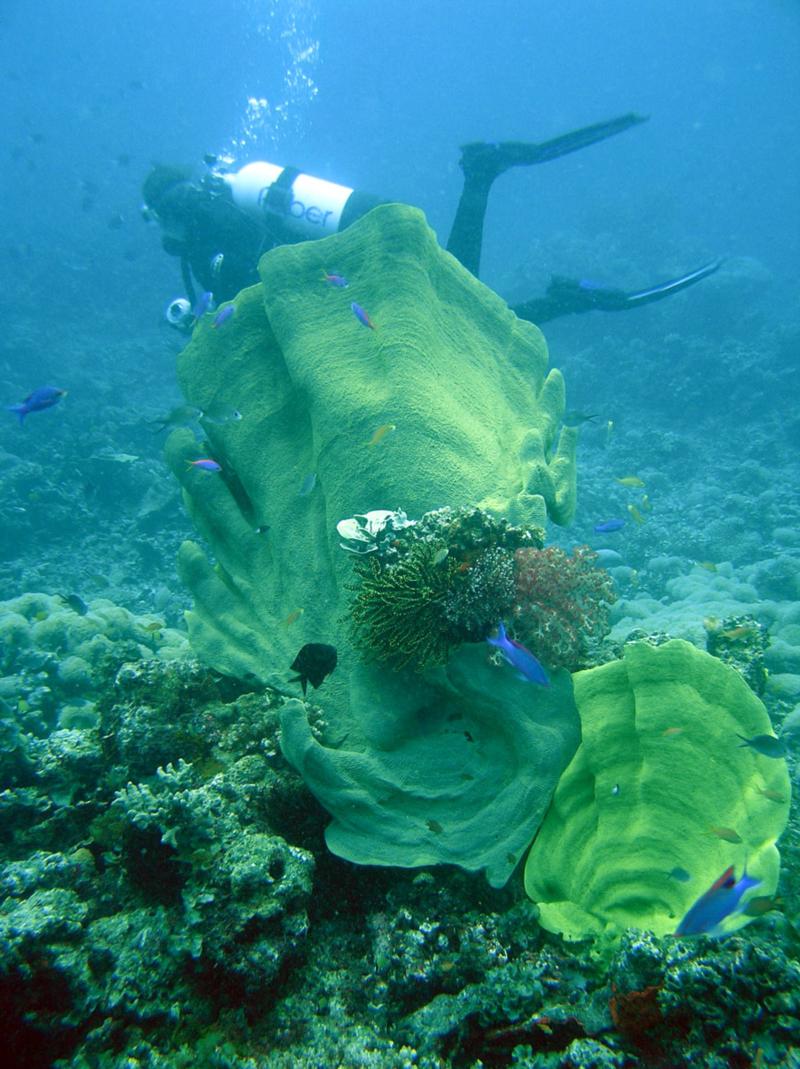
(38,401)
(362,316)
(339,281)
(608,526)
(204,302)
(721,900)
(205,464)
(223,315)
(518,657)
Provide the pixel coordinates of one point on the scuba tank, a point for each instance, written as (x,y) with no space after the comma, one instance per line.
(307,207)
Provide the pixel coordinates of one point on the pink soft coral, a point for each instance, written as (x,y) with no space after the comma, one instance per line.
(562,603)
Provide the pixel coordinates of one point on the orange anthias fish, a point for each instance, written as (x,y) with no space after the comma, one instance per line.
(774,796)
(762,904)
(728,834)
(339,281)
(205,464)
(381,433)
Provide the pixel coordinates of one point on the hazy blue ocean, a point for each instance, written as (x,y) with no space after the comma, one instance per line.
(690,432)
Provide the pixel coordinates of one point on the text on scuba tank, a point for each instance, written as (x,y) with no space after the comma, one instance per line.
(312,213)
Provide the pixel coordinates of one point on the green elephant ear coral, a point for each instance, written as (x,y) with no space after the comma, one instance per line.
(659,784)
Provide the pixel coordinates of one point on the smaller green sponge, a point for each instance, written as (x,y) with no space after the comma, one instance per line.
(657,789)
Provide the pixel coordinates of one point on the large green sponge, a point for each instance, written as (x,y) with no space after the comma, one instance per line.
(656,789)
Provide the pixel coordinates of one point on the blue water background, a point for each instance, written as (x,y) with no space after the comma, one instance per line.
(379,96)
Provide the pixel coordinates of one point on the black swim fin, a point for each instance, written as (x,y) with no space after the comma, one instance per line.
(675,285)
(488,159)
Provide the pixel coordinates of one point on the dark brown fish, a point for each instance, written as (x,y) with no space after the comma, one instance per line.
(313,663)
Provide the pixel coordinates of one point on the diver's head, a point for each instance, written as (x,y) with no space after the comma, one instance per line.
(168,193)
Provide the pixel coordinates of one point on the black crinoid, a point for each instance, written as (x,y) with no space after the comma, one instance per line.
(398,612)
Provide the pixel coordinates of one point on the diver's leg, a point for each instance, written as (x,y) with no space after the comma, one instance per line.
(466,233)
(482,162)
(569,297)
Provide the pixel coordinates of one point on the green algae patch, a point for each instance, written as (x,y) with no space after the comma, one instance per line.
(659,785)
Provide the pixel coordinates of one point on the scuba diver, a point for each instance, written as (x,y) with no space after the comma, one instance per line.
(220,226)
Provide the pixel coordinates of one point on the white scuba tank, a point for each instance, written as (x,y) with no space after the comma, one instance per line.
(308,207)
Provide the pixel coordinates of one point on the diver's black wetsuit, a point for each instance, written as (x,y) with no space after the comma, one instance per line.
(220,245)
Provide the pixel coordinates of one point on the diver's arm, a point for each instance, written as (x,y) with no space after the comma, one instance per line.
(188,281)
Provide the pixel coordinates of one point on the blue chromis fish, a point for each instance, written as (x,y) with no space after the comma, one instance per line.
(74,602)
(204,302)
(608,526)
(339,281)
(38,401)
(766,745)
(205,464)
(721,900)
(362,315)
(518,657)
(573,417)
(223,315)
